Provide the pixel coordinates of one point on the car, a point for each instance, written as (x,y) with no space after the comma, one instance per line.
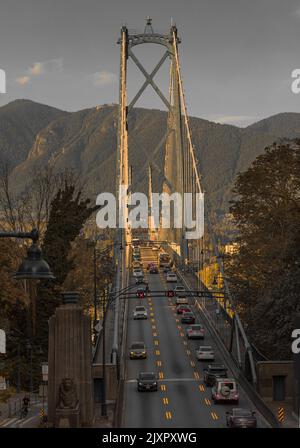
(180,291)
(146,381)
(214,371)
(181,301)
(139,280)
(140,312)
(153,269)
(183,308)
(137,272)
(136,265)
(155,248)
(188,317)
(205,353)
(137,350)
(225,390)
(136,257)
(195,331)
(171,277)
(149,265)
(241,418)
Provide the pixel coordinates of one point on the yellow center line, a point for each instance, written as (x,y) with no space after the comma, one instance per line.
(196,376)
(184,343)
(159,363)
(207,402)
(154,334)
(188,352)
(168,415)
(153,327)
(214,416)
(161,375)
(157,352)
(201,387)
(192,364)
(156,342)
(165,400)
(163,387)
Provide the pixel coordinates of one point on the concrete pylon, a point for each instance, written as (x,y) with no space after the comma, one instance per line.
(70,385)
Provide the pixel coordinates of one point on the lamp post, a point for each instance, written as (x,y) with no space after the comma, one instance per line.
(29,349)
(33,267)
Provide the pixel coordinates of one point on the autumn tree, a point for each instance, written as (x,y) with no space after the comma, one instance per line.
(265,272)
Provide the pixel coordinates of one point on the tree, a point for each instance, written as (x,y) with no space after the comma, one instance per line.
(68,213)
(265,271)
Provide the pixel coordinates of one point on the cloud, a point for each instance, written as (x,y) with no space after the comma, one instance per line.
(104,78)
(40,68)
(23,80)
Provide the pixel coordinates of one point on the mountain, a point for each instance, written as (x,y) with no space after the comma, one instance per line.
(33,135)
(20,121)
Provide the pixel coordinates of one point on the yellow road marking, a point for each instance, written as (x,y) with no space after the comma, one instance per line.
(201,388)
(188,352)
(153,327)
(152,320)
(151,314)
(165,400)
(214,416)
(184,343)
(163,387)
(159,363)
(155,334)
(196,376)
(168,415)
(161,375)
(157,352)
(156,342)
(192,364)
(207,402)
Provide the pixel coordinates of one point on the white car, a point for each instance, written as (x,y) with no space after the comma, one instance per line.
(205,353)
(171,277)
(137,272)
(182,301)
(140,312)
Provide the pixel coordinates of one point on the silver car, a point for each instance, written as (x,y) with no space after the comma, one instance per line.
(205,353)
(140,312)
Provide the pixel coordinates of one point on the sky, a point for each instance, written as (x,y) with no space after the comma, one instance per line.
(236,55)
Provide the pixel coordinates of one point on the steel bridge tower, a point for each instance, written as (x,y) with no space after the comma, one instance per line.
(180,168)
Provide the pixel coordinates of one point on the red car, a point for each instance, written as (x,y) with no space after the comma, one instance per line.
(183,309)
(149,266)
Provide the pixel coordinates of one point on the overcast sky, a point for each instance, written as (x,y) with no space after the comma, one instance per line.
(236,55)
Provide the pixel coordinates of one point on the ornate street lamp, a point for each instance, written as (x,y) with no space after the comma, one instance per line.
(33,267)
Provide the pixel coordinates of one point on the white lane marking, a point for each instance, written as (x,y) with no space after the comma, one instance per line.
(10,421)
(27,420)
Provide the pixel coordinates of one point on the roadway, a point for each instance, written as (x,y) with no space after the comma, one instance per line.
(182,399)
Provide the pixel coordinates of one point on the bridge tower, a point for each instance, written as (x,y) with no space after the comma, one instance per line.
(180,169)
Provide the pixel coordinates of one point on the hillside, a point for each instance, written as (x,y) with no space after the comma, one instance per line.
(20,121)
(33,135)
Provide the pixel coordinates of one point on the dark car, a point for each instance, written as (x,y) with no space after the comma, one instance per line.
(188,317)
(146,381)
(212,372)
(241,418)
(183,309)
(153,269)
